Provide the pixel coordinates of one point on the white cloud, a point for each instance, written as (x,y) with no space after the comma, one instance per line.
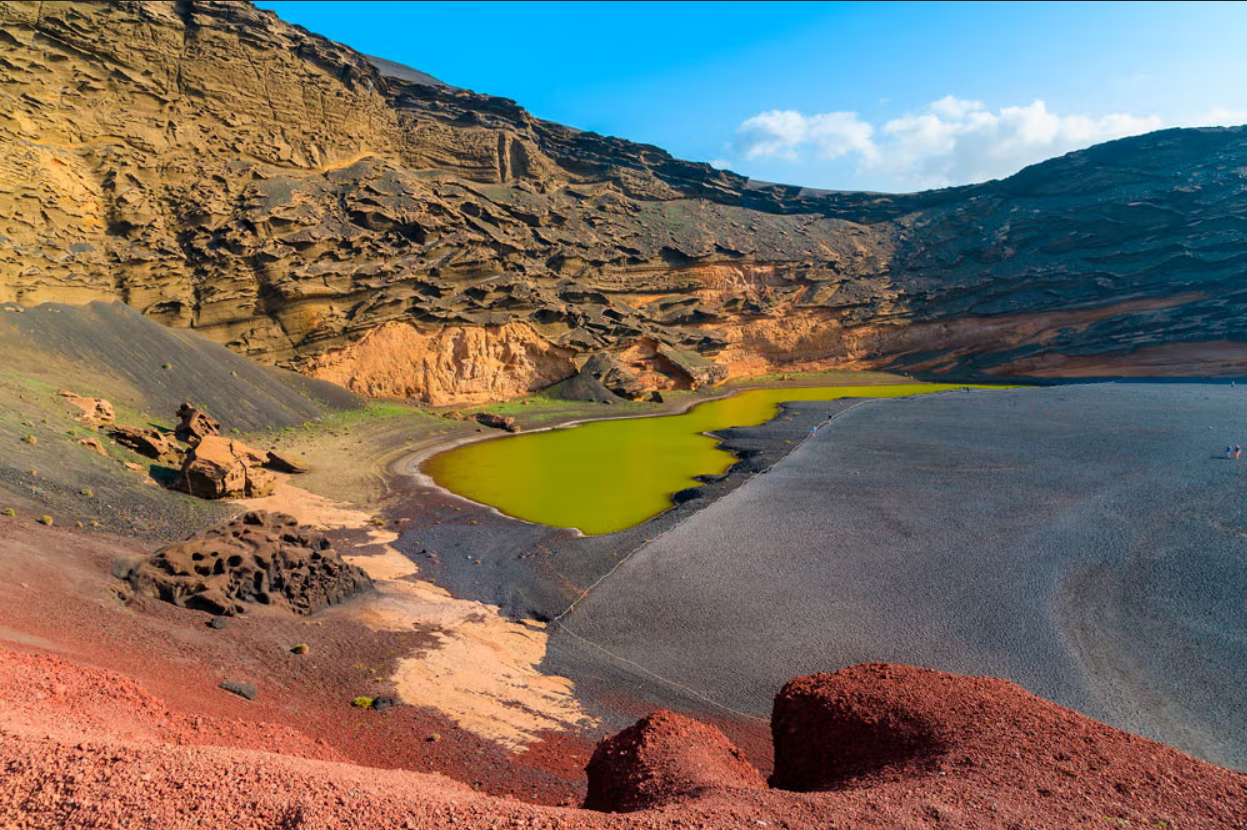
(949,141)
(784,133)
(1224,117)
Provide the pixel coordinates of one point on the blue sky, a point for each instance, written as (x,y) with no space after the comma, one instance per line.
(879,96)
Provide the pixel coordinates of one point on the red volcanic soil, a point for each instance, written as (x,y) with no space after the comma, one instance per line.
(110,716)
(57,597)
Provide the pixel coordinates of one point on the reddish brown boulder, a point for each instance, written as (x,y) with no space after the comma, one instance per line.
(489,419)
(221,468)
(145,441)
(261,558)
(195,425)
(96,412)
(662,758)
(829,728)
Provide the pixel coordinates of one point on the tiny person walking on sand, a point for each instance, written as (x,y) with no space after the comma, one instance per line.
(1229,451)
(1238,451)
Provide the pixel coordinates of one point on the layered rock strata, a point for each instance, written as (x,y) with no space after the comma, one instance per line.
(220,169)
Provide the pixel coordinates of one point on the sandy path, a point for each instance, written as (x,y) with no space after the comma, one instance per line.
(484,672)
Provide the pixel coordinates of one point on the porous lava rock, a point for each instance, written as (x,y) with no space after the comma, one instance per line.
(489,419)
(146,442)
(222,468)
(96,412)
(195,425)
(260,558)
(664,757)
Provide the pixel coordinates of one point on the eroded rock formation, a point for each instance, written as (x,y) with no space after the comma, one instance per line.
(221,468)
(217,168)
(259,559)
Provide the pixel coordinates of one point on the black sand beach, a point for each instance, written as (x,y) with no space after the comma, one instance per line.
(1088,542)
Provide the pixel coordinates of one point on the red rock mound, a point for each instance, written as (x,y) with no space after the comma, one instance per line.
(663,758)
(881,746)
(988,751)
(832,728)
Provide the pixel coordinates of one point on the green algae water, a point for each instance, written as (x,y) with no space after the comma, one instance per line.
(605,476)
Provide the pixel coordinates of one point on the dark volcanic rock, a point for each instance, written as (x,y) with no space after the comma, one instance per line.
(383,702)
(489,419)
(246,690)
(584,388)
(662,758)
(615,375)
(261,558)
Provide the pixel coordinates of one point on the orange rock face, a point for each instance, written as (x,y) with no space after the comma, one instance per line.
(447,366)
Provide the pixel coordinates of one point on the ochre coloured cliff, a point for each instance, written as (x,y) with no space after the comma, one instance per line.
(220,169)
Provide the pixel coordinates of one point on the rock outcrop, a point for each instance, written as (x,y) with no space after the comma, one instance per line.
(221,468)
(194,425)
(146,441)
(261,558)
(190,159)
(95,412)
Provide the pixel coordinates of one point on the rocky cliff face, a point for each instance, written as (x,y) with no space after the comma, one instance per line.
(220,169)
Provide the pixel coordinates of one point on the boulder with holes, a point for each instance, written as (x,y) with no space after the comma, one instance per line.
(259,559)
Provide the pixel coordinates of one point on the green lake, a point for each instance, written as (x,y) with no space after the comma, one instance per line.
(604,476)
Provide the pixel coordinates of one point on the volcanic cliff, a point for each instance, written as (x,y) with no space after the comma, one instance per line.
(220,169)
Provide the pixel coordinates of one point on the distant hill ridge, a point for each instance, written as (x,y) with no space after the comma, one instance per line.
(309,206)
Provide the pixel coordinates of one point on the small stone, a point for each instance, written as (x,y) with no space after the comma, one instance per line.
(93,444)
(301,648)
(246,690)
(45,520)
(383,702)
(219,622)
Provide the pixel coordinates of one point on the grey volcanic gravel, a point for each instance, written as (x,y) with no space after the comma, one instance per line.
(1087,541)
